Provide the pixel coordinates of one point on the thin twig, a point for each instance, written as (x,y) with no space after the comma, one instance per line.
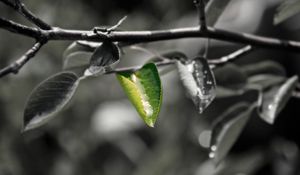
(21,9)
(17,65)
(135,68)
(118,24)
(200,5)
(235,55)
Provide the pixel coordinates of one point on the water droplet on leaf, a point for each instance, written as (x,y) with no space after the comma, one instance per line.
(199,82)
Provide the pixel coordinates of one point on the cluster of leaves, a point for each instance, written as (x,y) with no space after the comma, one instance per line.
(254,90)
(137,85)
(142,85)
(261,89)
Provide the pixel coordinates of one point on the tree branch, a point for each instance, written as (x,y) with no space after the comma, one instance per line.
(17,65)
(235,55)
(160,35)
(200,5)
(45,32)
(21,9)
(20,29)
(134,37)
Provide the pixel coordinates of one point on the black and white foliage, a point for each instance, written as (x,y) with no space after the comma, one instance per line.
(227,128)
(276,98)
(261,88)
(73,55)
(199,81)
(104,59)
(48,98)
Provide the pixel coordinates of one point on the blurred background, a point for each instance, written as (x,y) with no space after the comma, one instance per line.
(100,132)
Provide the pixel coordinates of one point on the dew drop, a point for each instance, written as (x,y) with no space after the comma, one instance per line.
(213,148)
(211,155)
(204,138)
(270,106)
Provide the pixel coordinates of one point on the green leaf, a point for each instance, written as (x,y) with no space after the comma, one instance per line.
(227,129)
(199,81)
(276,98)
(48,98)
(76,55)
(286,10)
(104,59)
(214,10)
(143,88)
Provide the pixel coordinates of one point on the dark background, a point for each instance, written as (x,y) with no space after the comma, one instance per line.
(99,132)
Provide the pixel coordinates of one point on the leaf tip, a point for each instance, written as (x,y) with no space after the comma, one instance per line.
(268,119)
(150,123)
(35,122)
(25,129)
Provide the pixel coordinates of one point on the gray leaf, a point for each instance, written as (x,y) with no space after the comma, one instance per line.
(48,98)
(104,59)
(276,98)
(230,76)
(75,55)
(171,55)
(214,10)
(227,129)
(199,82)
(286,10)
(265,81)
(264,67)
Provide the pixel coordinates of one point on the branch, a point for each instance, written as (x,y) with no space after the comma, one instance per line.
(134,37)
(160,35)
(200,5)
(19,29)
(17,65)
(44,33)
(21,9)
(235,55)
